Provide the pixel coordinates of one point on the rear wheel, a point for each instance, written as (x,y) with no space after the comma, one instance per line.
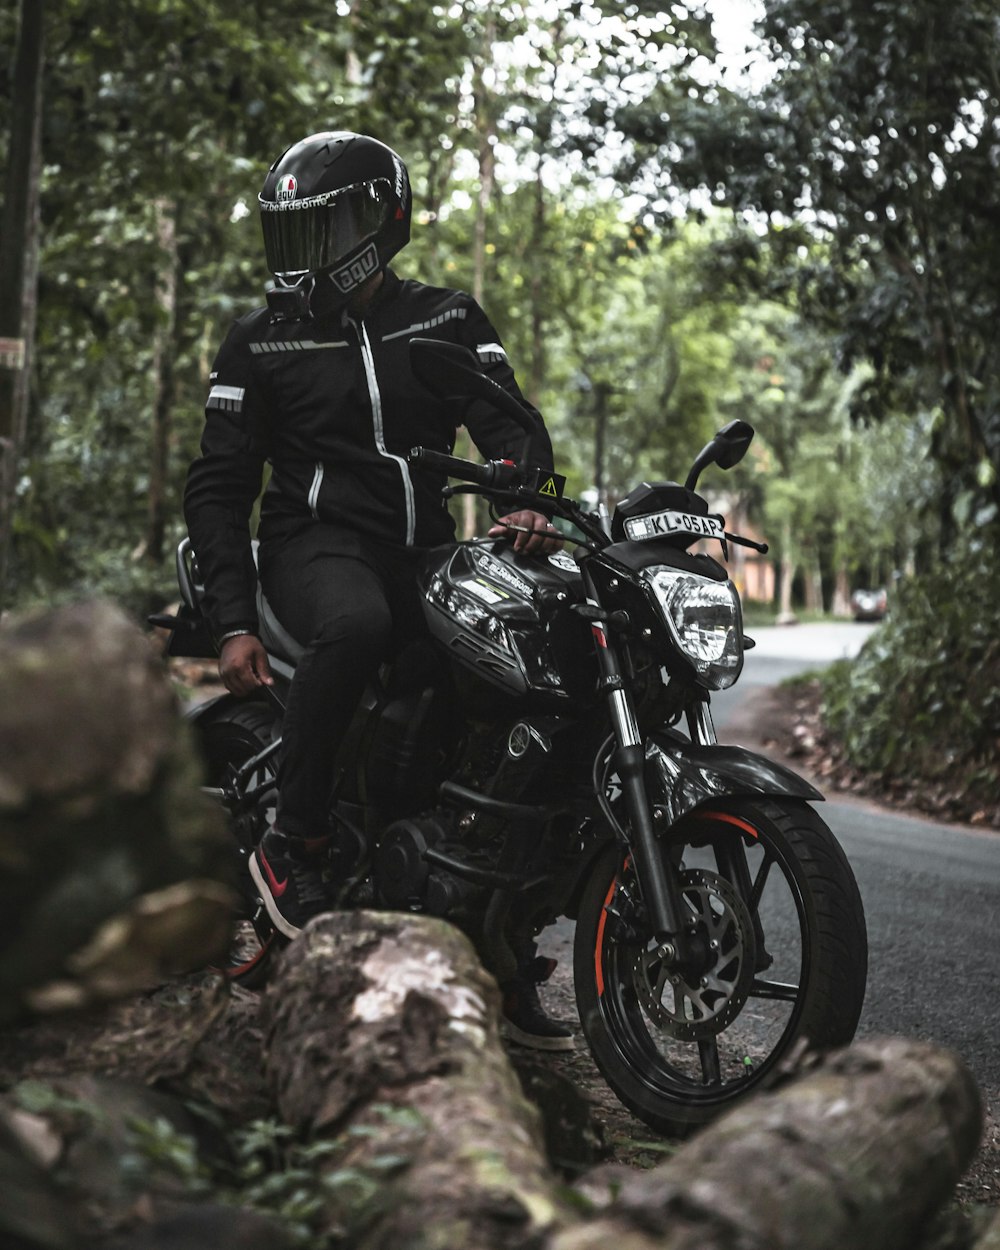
(230,741)
(778,927)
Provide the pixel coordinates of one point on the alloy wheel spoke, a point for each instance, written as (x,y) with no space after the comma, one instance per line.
(711,1068)
(753,902)
(778,990)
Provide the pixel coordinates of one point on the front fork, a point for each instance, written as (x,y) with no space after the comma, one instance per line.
(658,878)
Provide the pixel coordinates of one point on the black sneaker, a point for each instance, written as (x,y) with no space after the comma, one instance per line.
(524,1020)
(291,885)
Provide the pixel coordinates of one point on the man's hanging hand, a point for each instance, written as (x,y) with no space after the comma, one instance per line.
(243,665)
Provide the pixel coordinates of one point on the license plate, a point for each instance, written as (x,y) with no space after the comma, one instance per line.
(664,524)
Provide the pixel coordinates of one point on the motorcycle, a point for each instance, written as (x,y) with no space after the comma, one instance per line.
(549,753)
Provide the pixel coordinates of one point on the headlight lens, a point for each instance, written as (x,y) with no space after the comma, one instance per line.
(704,620)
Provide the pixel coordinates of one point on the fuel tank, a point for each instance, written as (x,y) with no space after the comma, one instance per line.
(506,620)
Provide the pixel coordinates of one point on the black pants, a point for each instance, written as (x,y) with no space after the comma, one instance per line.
(352,603)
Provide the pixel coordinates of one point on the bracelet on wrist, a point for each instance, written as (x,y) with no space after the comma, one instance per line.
(233,633)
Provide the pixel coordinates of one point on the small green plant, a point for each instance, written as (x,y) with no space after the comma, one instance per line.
(317,1185)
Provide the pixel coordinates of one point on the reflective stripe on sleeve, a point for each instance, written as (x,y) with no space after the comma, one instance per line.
(226,398)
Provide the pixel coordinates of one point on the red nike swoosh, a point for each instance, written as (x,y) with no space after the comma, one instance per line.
(277,887)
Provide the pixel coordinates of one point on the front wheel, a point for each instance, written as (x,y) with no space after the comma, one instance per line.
(781,954)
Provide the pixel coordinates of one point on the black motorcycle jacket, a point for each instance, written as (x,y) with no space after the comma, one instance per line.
(333,407)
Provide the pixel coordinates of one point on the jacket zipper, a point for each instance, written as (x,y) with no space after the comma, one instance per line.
(376,401)
(317,482)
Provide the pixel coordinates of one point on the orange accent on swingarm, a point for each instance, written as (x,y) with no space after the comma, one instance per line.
(729,820)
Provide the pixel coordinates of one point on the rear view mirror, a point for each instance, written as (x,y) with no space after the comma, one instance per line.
(447,369)
(727,448)
(732,443)
(453,372)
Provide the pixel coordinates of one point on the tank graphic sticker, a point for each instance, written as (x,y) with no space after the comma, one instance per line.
(563,560)
(482,590)
(502,573)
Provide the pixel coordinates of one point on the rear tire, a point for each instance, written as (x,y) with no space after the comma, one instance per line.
(788,961)
(229,739)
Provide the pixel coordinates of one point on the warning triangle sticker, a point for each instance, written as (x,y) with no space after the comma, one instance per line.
(549,488)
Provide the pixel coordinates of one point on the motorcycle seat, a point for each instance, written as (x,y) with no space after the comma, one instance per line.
(277,640)
(273,634)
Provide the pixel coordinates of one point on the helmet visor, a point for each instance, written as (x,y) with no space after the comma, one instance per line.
(307,236)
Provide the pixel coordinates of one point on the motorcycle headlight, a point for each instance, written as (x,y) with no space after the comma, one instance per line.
(704,620)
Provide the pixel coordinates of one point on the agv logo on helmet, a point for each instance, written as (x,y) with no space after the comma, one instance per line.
(286,189)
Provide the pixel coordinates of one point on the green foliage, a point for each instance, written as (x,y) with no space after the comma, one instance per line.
(319,1190)
(629,325)
(923,697)
(876,134)
(322,1191)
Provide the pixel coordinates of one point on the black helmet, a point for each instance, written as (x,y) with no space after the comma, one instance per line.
(337,204)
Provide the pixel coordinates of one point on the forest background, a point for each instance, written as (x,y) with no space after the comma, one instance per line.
(786,212)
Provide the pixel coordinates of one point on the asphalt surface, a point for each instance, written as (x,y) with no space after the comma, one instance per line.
(931,891)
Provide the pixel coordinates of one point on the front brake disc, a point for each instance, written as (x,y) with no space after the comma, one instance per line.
(688,1006)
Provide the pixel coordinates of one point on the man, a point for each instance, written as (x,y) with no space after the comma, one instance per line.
(318,384)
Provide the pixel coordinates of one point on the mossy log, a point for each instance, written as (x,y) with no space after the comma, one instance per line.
(861,1152)
(383,1033)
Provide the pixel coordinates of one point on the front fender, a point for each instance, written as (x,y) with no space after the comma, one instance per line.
(680,775)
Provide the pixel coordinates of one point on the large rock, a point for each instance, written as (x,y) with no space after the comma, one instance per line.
(113,866)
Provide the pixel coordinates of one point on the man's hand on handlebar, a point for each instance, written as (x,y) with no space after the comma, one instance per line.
(243,665)
(533,534)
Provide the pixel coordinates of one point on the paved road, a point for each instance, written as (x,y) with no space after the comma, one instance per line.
(931,891)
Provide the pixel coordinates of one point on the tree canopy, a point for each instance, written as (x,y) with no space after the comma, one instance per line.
(646,233)
(870,154)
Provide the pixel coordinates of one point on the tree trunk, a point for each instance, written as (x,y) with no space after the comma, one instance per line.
(163,380)
(382,1035)
(536,286)
(814,586)
(602,394)
(786,613)
(841,605)
(486,130)
(19,260)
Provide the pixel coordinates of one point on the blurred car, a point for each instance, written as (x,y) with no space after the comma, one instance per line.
(869,605)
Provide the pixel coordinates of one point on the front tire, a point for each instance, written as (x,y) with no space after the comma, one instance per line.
(784,957)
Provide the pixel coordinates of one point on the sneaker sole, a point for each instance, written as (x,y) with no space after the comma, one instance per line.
(533,1040)
(282,924)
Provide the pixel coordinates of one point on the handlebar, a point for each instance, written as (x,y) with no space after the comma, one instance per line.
(533,486)
(499,474)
